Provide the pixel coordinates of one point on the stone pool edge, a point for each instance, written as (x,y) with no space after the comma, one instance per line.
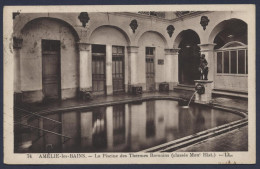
(197,137)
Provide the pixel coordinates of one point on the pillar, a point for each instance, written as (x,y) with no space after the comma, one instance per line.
(109,83)
(208,51)
(133,66)
(171,67)
(85,67)
(17,45)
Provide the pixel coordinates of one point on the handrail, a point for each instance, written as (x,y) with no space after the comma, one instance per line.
(38,115)
(48,131)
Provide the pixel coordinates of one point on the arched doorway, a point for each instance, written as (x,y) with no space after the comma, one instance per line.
(49,59)
(109,59)
(231,30)
(189,57)
(151,48)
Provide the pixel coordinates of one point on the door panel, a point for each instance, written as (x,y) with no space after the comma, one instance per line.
(150,71)
(98,69)
(51,69)
(118,69)
(98,73)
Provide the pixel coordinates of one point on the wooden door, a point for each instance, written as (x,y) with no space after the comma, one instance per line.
(118,69)
(98,69)
(51,69)
(98,73)
(150,71)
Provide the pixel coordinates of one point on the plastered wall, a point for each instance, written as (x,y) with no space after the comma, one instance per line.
(151,39)
(232,82)
(31,55)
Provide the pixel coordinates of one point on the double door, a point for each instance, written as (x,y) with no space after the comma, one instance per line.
(99,69)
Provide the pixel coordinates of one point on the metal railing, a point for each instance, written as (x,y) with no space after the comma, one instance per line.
(21,117)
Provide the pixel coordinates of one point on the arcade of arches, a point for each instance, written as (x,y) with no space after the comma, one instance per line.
(55,58)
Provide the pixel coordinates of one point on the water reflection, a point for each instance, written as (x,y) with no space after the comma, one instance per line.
(120,128)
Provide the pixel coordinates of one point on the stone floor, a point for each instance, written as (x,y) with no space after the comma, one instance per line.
(231,102)
(232,141)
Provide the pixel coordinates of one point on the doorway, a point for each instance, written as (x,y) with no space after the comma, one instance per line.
(51,69)
(189,58)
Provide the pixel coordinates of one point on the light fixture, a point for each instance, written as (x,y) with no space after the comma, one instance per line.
(230,36)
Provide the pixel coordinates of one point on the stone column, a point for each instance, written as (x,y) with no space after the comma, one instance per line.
(17,45)
(208,51)
(171,67)
(109,85)
(85,67)
(133,66)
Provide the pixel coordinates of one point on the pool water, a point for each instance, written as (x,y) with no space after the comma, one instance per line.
(120,128)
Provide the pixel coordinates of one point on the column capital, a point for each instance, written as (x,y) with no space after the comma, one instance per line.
(132,49)
(83,46)
(17,43)
(206,47)
(171,51)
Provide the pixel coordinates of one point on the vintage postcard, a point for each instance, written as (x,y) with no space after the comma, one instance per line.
(146,84)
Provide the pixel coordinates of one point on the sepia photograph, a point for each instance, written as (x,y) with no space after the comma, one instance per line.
(137,84)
